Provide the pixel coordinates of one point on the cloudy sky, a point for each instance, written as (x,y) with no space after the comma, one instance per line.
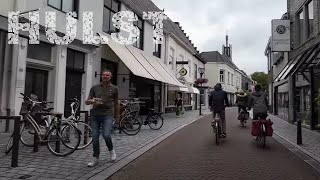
(248,23)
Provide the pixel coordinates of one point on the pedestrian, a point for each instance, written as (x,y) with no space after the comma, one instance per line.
(218,102)
(179,105)
(105,100)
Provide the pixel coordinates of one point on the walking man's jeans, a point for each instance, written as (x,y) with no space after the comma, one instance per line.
(106,122)
(222,114)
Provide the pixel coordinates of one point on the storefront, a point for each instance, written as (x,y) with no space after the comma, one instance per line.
(304,73)
(281,101)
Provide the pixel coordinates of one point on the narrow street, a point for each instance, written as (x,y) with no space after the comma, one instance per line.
(191,153)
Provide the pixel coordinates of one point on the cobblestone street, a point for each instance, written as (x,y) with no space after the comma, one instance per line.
(192,154)
(44,165)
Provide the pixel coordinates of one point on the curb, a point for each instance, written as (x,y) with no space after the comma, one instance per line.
(130,156)
(303,154)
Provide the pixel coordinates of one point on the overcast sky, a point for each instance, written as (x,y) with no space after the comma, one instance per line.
(248,23)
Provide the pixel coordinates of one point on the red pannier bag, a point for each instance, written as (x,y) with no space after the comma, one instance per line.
(268,124)
(256,128)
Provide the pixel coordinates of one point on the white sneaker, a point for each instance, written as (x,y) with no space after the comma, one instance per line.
(94,162)
(113,155)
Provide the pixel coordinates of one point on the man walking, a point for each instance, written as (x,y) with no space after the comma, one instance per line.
(104,98)
(218,101)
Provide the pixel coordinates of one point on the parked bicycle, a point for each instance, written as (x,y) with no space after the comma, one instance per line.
(154,119)
(128,122)
(57,142)
(83,127)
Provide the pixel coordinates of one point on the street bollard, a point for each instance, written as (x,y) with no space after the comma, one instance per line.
(57,133)
(16,139)
(35,143)
(299,133)
(86,120)
(7,122)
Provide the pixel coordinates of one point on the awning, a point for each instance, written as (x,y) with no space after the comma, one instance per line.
(177,88)
(129,60)
(195,90)
(137,53)
(293,66)
(163,70)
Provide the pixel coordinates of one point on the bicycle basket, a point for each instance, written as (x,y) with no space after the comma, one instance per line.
(25,107)
(134,108)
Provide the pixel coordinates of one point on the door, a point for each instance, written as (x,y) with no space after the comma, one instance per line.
(73,89)
(36,83)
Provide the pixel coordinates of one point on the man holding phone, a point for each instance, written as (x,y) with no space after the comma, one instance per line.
(105,100)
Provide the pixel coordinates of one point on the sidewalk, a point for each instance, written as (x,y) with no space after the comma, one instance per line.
(44,165)
(288,132)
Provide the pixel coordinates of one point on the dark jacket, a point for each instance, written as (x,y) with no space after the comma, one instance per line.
(218,99)
(242,100)
(258,102)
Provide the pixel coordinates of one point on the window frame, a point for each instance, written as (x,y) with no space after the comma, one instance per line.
(75,7)
(75,59)
(110,11)
(222,75)
(141,29)
(157,50)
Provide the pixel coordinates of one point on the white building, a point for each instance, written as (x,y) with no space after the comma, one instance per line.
(221,69)
(59,72)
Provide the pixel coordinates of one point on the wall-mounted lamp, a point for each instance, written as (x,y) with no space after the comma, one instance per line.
(124,79)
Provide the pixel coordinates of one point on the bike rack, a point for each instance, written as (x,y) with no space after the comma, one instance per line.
(16,138)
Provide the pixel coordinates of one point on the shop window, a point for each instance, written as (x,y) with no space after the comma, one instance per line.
(40,51)
(36,83)
(171,97)
(186,99)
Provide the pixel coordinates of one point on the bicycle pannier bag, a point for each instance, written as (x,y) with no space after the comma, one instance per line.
(269,128)
(256,128)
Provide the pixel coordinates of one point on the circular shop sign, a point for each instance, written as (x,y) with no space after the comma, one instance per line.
(281,29)
(183,72)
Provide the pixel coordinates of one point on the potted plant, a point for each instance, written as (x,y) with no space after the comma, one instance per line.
(200,81)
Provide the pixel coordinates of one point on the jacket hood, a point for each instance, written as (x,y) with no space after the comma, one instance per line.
(258,94)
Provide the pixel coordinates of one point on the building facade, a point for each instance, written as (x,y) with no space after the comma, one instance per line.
(221,69)
(60,72)
(302,69)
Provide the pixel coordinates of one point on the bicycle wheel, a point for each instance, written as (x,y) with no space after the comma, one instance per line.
(9,145)
(155,122)
(218,132)
(65,142)
(130,126)
(85,132)
(27,134)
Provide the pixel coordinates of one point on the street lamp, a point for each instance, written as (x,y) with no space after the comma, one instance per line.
(201,71)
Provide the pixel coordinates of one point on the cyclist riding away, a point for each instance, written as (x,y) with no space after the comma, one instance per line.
(259,103)
(218,101)
(242,102)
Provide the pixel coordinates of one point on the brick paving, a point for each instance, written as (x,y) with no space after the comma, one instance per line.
(44,165)
(191,153)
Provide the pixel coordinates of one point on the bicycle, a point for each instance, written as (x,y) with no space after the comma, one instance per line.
(261,121)
(50,134)
(154,119)
(83,127)
(128,122)
(217,127)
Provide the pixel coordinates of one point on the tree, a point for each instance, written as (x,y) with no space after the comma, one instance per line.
(262,79)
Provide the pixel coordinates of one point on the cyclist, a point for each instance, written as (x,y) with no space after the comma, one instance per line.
(218,101)
(242,102)
(259,103)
